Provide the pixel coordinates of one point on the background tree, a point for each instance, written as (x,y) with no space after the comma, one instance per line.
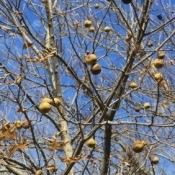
(87,87)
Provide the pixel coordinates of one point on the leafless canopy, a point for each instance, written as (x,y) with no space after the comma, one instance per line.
(87,87)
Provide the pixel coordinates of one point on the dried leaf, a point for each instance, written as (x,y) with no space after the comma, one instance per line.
(126,163)
(18,80)
(128,38)
(22,110)
(142,53)
(46,55)
(16,147)
(12,150)
(52,167)
(37,59)
(5,127)
(27,45)
(2,137)
(39,172)
(136,48)
(165,104)
(4,28)
(32,59)
(57,135)
(72,159)
(66,160)
(1,155)
(8,131)
(56,145)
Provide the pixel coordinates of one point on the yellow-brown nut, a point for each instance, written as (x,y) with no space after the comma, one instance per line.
(137,108)
(91,143)
(92,29)
(46,99)
(87,23)
(158,76)
(154,160)
(95,69)
(56,101)
(44,107)
(19,124)
(158,63)
(161,54)
(138,146)
(26,124)
(146,105)
(144,142)
(96,6)
(91,59)
(150,44)
(133,84)
(107,29)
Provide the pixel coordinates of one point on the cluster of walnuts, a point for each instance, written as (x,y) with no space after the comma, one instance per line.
(45,105)
(159,63)
(88,24)
(91,59)
(138,146)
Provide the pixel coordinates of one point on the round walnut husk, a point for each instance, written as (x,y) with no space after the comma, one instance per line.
(146,105)
(87,23)
(26,124)
(91,59)
(46,99)
(144,142)
(161,54)
(107,29)
(137,108)
(133,84)
(44,107)
(154,160)
(158,76)
(158,63)
(138,146)
(19,124)
(126,1)
(56,102)
(150,44)
(95,69)
(96,6)
(91,143)
(92,29)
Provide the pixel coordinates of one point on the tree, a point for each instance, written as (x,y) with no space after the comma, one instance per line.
(87,87)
